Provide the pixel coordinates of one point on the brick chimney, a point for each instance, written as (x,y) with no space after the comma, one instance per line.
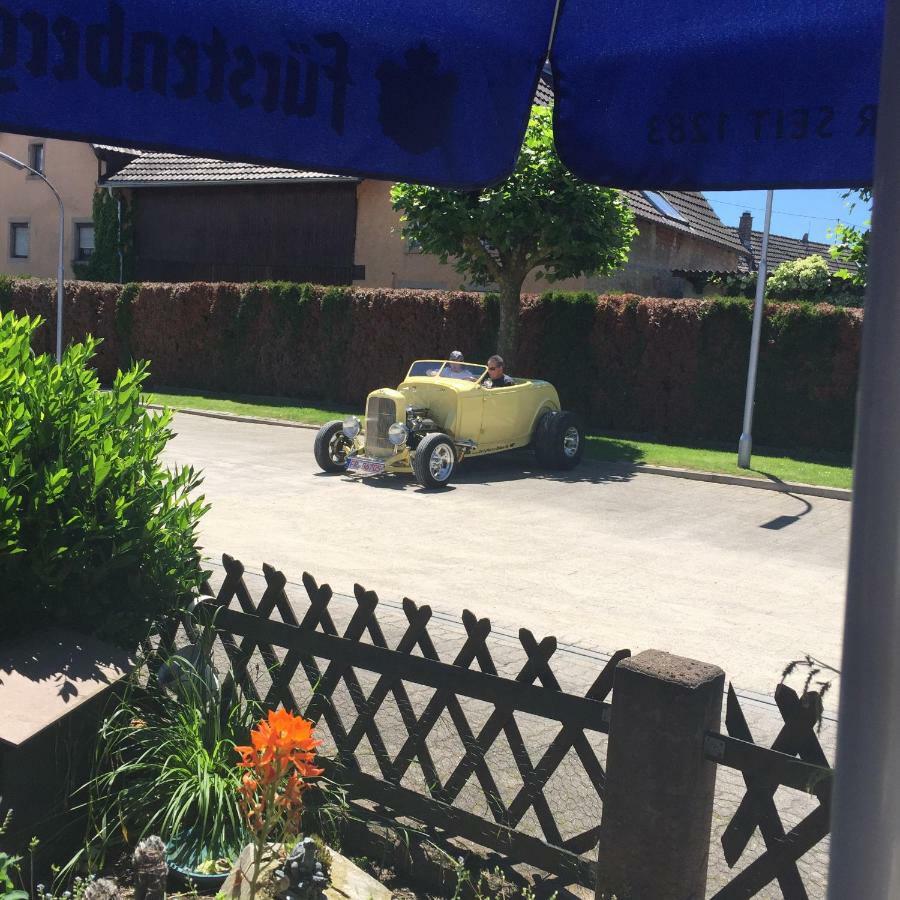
(745,228)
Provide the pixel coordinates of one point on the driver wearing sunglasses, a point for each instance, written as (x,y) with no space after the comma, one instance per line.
(496,376)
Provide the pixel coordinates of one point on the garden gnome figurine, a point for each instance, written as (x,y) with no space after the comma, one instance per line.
(150,869)
(302,877)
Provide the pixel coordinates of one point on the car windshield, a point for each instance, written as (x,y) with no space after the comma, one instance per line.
(431,368)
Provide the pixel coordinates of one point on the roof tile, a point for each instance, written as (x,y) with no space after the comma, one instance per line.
(169,169)
(702,221)
(785,249)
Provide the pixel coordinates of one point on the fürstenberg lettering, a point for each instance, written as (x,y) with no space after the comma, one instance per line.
(181,67)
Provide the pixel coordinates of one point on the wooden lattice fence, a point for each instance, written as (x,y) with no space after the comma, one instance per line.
(308,662)
(453,744)
(796,761)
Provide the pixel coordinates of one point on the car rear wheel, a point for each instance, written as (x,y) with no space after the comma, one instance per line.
(558,440)
(331,447)
(435,461)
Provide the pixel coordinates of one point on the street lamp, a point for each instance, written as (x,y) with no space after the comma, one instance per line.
(60,273)
(745,445)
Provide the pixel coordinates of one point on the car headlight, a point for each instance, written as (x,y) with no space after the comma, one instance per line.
(397,433)
(351,427)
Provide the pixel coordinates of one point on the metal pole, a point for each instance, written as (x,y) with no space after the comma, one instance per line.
(119,237)
(865,841)
(745,445)
(60,276)
(61,266)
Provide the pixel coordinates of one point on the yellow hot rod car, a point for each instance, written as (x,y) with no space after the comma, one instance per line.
(442,412)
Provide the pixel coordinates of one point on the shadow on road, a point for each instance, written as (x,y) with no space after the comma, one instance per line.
(512,466)
(780,522)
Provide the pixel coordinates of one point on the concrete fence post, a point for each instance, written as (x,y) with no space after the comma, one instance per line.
(657,813)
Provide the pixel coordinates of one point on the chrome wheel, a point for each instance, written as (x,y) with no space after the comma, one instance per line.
(571,442)
(337,449)
(440,463)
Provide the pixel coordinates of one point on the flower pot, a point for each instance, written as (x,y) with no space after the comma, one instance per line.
(184,854)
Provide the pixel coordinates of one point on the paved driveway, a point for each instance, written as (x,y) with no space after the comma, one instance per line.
(743,578)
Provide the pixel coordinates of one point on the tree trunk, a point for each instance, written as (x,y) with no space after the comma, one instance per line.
(508,333)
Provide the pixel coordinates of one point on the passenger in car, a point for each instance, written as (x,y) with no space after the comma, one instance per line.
(497,378)
(456,369)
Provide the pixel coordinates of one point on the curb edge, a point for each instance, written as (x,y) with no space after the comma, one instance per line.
(781,487)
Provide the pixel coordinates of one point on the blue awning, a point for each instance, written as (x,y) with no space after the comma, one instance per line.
(437,92)
(714,94)
(718,94)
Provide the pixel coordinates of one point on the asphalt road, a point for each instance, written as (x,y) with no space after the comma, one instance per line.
(742,578)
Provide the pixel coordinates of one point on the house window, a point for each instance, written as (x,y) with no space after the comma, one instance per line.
(36,157)
(19,243)
(84,240)
(413,246)
(662,205)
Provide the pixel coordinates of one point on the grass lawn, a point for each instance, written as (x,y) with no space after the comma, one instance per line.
(248,405)
(831,470)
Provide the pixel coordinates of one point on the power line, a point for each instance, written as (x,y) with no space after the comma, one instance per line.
(776,212)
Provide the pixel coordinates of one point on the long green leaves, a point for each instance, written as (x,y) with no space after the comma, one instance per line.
(166,765)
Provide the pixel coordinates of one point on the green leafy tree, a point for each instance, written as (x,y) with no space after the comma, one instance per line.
(852,245)
(96,533)
(112,259)
(541,218)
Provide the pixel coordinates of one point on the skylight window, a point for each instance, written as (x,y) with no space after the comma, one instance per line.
(664,206)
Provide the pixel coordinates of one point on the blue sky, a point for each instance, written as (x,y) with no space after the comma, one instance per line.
(793,212)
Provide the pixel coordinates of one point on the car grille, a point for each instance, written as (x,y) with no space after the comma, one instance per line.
(381,413)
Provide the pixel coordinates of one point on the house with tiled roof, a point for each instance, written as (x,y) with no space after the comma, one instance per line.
(207,219)
(29,215)
(203,219)
(781,248)
(210,220)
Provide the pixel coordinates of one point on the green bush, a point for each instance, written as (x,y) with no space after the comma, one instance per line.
(799,279)
(95,533)
(673,369)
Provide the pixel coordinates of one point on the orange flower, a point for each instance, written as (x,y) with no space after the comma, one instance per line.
(270,795)
(293,789)
(281,756)
(249,786)
(303,764)
(248,757)
(279,741)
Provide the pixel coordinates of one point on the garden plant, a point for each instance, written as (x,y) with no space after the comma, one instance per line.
(277,766)
(165,766)
(10,866)
(96,533)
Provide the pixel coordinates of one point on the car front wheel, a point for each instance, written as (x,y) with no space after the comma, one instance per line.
(558,440)
(331,447)
(435,461)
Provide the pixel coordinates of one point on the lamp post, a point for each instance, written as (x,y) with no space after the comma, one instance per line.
(60,270)
(745,445)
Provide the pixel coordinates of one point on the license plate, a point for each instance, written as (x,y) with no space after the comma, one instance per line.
(362,465)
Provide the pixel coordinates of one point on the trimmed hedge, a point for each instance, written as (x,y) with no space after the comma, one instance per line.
(668,368)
